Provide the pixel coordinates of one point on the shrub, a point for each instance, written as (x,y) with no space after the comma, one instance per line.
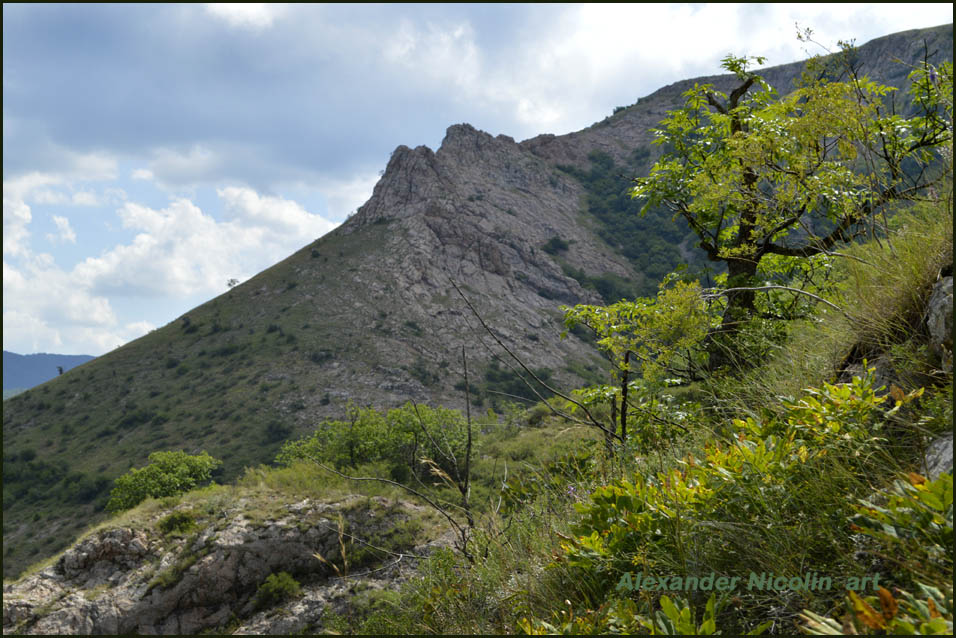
(764,475)
(555,245)
(915,521)
(277,588)
(177,522)
(168,474)
(400,437)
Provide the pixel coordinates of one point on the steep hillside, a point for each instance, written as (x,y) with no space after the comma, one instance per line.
(368,313)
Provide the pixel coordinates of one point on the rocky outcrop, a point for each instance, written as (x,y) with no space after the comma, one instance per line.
(939,323)
(141,580)
(939,457)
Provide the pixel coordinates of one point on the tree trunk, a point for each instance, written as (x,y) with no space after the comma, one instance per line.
(723,349)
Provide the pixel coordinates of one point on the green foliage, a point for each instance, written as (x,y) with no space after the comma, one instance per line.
(277,588)
(402,438)
(763,475)
(915,523)
(611,287)
(558,477)
(649,242)
(515,384)
(765,182)
(555,245)
(178,522)
(168,474)
(621,616)
(660,331)
(930,614)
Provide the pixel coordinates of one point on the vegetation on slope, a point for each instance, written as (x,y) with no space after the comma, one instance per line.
(780,471)
(763,476)
(655,242)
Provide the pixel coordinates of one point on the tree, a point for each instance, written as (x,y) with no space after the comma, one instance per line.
(168,474)
(767,183)
(653,335)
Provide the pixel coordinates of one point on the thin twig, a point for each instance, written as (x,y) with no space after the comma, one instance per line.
(521,363)
(723,291)
(462,532)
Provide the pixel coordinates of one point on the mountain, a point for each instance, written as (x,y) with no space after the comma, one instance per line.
(369,314)
(24,371)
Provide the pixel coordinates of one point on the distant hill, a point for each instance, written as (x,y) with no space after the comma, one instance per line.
(24,371)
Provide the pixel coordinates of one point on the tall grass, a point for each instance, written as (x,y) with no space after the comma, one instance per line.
(882,287)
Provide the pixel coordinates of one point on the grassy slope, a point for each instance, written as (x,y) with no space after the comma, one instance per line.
(222,388)
(520,538)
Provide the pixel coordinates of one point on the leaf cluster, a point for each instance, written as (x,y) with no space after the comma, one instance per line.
(408,439)
(691,519)
(168,474)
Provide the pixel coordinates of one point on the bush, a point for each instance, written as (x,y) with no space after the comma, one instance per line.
(168,474)
(400,437)
(277,588)
(177,522)
(764,475)
(555,245)
(915,520)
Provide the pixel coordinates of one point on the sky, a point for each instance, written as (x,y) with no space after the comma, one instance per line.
(151,153)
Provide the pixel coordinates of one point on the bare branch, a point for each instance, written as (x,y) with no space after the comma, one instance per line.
(484,325)
(721,292)
(462,532)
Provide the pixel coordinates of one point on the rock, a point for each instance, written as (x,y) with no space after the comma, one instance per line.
(939,322)
(939,457)
(129,580)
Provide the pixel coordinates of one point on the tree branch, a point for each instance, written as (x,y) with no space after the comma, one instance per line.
(720,292)
(521,363)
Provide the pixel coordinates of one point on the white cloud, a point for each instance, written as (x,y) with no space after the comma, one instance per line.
(142,173)
(85,198)
(65,232)
(195,165)
(176,252)
(45,309)
(274,215)
(180,251)
(16,218)
(255,15)
(441,54)
(343,196)
(47,196)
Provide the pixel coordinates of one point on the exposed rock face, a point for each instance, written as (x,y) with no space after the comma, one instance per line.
(939,457)
(939,322)
(126,580)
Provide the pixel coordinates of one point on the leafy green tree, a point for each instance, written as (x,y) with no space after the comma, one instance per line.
(168,474)
(656,336)
(401,437)
(767,182)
